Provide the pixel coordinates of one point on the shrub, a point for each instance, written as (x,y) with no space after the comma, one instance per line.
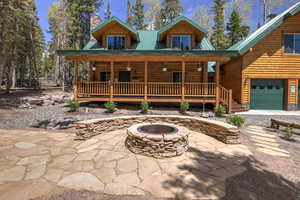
(184,106)
(288,133)
(110,106)
(145,106)
(74,106)
(235,120)
(221,111)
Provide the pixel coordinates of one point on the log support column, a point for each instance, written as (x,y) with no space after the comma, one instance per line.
(146,81)
(217,84)
(183,80)
(205,72)
(111,85)
(76,81)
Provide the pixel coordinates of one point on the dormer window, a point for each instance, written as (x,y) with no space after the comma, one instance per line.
(182,42)
(116,42)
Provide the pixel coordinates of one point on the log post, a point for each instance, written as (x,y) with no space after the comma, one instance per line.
(183,80)
(217,84)
(76,81)
(111,93)
(205,72)
(146,81)
(230,102)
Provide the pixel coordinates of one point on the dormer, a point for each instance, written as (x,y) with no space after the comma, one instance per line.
(182,34)
(115,34)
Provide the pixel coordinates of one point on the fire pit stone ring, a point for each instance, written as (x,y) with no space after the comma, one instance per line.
(159,140)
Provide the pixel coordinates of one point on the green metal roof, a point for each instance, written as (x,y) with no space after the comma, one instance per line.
(116,20)
(243,46)
(180,19)
(147,40)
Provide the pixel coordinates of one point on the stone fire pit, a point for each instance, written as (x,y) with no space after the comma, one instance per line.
(159,140)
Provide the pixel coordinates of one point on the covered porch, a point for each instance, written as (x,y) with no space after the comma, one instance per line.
(159,79)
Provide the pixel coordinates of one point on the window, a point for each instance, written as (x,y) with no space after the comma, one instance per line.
(104,76)
(292,43)
(182,42)
(116,42)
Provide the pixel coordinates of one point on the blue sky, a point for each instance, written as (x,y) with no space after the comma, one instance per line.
(119,9)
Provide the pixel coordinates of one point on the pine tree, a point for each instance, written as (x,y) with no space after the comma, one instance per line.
(139,15)
(236,31)
(170,10)
(129,19)
(219,38)
(107,13)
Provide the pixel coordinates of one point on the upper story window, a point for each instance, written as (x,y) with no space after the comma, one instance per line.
(182,42)
(292,43)
(115,42)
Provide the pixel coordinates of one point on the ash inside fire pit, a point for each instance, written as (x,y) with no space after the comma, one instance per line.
(157,129)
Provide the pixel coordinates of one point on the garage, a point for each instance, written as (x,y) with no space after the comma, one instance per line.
(267,94)
(298,94)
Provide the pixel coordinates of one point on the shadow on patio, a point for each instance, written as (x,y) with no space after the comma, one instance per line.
(245,179)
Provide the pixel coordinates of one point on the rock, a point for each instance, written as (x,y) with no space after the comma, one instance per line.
(106,175)
(24,145)
(34,160)
(12,174)
(54,175)
(87,143)
(130,179)
(35,170)
(147,167)
(36,102)
(120,189)
(127,164)
(82,181)
(90,148)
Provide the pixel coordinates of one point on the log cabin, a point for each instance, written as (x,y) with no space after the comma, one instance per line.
(266,73)
(179,63)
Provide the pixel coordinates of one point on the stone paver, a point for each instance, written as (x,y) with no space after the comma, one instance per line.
(56,161)
(82,181)
(12,174)
(24,145)
(265,141)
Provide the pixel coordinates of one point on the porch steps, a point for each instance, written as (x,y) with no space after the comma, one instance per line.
(236,107)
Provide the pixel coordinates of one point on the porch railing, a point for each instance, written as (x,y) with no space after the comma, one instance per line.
(138,89)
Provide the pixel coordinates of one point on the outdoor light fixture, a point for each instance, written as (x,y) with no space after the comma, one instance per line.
(164,68)
(129,69)
(94,67)
(199,69)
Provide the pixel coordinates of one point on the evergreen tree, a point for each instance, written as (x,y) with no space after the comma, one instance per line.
(129,19)
(139,15)
(219,38)
(107,13)
(170,10)
(236,31)
(21,44)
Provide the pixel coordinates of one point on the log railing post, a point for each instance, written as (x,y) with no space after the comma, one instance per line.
(205,72)
(111,81)
(217,84)
(230,102)
(183,80)
(146,81)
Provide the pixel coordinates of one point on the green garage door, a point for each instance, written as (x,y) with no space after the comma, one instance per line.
(298,94)
(267,94)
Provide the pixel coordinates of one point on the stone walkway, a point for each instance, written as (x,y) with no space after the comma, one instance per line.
(36,163)
(265,141)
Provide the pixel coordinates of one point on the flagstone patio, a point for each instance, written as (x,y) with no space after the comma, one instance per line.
(37,163)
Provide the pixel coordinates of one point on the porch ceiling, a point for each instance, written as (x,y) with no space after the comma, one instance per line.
(129,55)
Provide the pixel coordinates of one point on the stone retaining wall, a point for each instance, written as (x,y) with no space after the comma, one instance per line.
(219,130)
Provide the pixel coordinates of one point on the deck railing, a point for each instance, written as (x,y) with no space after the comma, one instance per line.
(138,89)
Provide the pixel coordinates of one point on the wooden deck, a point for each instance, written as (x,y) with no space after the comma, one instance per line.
(153,92)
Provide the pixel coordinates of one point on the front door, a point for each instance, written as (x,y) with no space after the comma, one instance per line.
(124,76)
